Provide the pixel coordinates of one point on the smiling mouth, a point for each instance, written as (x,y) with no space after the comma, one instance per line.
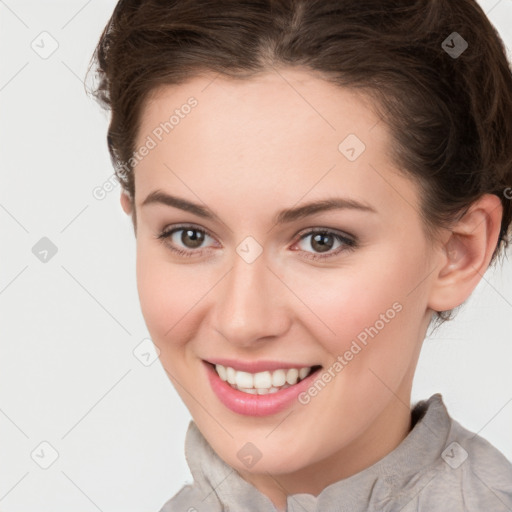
(266,382)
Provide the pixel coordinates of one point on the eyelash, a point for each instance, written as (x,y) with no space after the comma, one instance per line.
(349,244)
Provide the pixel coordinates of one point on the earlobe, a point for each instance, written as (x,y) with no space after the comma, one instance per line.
(466,254)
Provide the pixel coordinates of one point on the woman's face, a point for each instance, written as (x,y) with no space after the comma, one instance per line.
(244,278)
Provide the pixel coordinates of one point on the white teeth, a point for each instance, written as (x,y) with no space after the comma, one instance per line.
(279,377)
(303,373)
(222,372)
(251,391)
(292,376)
(261,391)
(230,375)
(244,380)
(263,382)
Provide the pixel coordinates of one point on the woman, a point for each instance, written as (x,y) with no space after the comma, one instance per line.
(312,184)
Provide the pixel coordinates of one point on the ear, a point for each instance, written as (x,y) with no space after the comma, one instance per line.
(466,253)
(129,209)
(126,202)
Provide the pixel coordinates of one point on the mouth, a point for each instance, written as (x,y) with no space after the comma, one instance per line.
(270,388)
(263,382)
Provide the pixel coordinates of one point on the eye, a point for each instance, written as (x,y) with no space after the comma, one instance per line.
(322,241)
(189,240)
(185,240)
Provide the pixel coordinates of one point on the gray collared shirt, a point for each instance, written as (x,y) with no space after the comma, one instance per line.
(439,466)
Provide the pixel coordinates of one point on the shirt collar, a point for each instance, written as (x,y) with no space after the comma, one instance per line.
(367,490)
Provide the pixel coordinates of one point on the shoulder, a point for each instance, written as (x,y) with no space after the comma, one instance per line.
(470,476)
(190,498)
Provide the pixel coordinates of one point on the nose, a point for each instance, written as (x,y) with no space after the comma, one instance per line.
(250,305)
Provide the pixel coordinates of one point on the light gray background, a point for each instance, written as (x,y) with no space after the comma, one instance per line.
(69,327)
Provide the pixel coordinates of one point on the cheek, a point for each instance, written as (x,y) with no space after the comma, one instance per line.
(375,299)
(168,295)
(376,323)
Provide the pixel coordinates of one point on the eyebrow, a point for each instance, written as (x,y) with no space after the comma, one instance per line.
(283,217)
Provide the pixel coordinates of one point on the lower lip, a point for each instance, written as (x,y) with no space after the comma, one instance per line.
(255,405)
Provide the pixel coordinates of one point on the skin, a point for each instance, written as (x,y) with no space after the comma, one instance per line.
(239,154)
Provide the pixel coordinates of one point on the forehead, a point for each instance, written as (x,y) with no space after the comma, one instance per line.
(287,129)
(275,107)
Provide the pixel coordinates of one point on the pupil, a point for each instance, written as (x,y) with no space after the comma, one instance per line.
(319,242)
(194,235)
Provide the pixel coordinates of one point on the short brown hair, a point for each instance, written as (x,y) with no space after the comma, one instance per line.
(450,115)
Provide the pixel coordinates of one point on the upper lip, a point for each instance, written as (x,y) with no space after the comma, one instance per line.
(257,366)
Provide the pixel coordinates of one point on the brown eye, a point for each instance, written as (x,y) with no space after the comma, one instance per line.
(322,242)
(192,238)
(185,240)
(325,244)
